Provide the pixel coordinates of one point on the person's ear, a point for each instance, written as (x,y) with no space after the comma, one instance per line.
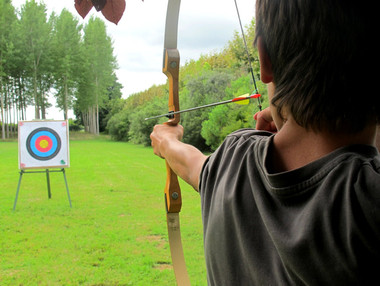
(266,73)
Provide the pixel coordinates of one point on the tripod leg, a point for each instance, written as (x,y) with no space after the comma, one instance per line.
(67,187)
(18,188)
(48,183)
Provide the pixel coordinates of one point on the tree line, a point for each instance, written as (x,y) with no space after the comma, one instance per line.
(42,55)
(212,78)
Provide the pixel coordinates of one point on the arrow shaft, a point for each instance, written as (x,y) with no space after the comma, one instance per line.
(202,106)
(189,109)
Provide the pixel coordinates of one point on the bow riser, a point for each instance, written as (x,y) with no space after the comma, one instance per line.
(171,70)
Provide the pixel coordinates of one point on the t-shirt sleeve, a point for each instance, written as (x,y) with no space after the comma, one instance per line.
(233,143)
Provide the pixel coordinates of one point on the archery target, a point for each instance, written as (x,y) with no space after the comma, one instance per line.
(43,144)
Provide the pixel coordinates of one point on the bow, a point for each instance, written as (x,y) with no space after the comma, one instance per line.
(172,191)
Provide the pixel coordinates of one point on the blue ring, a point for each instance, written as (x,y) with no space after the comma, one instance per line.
(31,144)
(34,148)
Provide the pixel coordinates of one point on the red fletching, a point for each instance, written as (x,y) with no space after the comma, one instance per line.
(243,97)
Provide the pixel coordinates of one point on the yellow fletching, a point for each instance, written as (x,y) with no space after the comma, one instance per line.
(243,101)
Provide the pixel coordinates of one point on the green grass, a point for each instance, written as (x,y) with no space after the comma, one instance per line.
(114,234)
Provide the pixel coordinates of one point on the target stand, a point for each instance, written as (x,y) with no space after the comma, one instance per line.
(47,171)
(43,145)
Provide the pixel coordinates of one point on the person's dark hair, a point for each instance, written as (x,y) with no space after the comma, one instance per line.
(322,54)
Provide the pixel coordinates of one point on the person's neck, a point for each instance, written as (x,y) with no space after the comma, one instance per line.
(295,147)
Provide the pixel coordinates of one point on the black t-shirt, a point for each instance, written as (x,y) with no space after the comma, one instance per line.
(316,225)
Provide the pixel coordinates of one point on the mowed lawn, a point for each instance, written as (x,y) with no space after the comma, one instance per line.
(114,234)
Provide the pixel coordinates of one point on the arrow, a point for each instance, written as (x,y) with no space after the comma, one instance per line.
(243,99)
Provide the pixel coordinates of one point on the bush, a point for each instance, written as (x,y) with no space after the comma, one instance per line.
(74,126)
(118,126)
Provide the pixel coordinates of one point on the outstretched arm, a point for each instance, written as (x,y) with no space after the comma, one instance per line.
(185,160)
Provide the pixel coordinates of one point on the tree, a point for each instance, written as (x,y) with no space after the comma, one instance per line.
(35,32)
(140,129)
(118,126)
(225,119)
(211,128)
(97,75)
(7,17)
(17,70)
(113,105)
(237,48)
(208,87)
(67,57)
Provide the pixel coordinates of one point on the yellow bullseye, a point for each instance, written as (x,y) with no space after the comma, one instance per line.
(44,144)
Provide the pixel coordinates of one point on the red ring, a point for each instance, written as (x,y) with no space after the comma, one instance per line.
(48,139)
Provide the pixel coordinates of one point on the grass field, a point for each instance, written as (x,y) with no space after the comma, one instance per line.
(114,234)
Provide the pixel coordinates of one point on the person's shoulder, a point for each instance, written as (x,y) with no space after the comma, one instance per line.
(368,169)
(248,134)
(244,139)
(363,177)
(359,165)
(237,147)
(364,155)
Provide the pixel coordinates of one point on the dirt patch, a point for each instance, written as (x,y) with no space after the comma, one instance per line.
(162,265)
(157,240)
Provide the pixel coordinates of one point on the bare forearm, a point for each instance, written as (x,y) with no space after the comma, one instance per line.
(185,160)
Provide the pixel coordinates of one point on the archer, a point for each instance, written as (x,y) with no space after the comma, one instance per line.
(297,203)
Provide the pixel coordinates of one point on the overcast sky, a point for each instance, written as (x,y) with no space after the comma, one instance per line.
(204,26)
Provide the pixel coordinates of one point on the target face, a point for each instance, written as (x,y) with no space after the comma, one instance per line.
(43,144)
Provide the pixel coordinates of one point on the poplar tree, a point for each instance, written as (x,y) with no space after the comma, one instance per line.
(7,17)
(97,74)
(35,32)
(67,57)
